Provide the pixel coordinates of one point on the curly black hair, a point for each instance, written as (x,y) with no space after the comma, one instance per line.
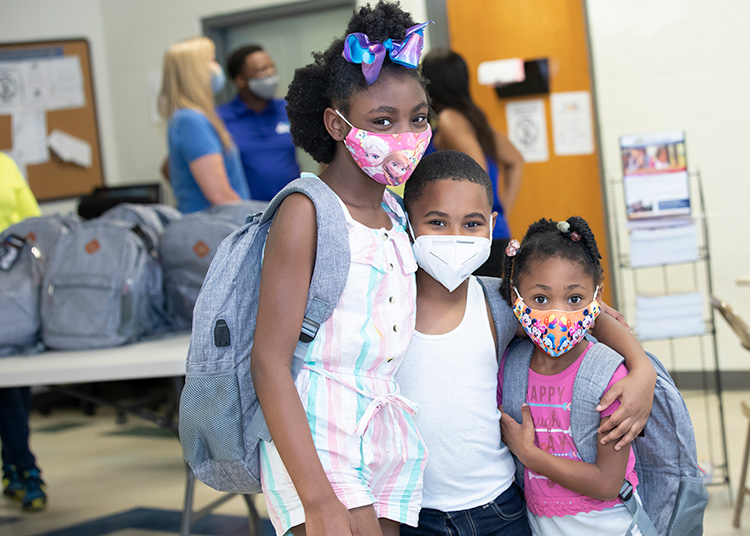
(445,165)
(545,240)
(330,79)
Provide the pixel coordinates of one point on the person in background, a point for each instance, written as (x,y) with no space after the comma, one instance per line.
(462,126)
(258,123)
(21,476)
(204,163)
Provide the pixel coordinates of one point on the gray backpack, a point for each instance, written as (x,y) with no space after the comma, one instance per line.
(103,287)
(25,250)
(221,423)
(186,249)
(670,481)
(152,219)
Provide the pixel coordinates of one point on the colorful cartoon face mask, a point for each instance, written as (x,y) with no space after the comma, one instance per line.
(387,158)
(556,332)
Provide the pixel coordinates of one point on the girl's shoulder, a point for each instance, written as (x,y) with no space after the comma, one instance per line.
(188,116)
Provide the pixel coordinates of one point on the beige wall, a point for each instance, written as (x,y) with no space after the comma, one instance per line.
(683,65)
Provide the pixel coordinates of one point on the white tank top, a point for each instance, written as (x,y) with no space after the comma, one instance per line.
(453,379)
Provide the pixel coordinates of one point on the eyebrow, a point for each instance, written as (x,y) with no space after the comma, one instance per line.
(569,287)
(391,110)
(436,213)
(478,215)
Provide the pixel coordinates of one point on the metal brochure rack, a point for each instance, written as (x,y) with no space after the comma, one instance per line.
(665,280)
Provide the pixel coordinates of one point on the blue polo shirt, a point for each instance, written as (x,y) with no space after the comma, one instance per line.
(265,145)
(190,135)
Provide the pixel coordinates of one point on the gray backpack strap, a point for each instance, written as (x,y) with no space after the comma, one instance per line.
(640,517)
(332,256)
(516,363)
(597,368)
(490,286)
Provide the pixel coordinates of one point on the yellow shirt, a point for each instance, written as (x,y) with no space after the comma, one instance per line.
(16,200)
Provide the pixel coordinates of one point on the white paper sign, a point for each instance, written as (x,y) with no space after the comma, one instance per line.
(662,317)
(527,129)
(69,148)
(10,88)
(572,131)
(29,130)
(66,83)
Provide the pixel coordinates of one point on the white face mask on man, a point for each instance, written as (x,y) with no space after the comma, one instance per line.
(451,259)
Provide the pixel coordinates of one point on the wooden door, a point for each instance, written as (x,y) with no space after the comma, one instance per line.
(484,30)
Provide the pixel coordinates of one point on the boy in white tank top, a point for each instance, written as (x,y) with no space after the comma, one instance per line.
(451,366)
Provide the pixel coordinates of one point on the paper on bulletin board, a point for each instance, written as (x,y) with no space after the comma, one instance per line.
(29,133)
(41,85)
(527,129)
(572,130)
(10,88)
(69,148)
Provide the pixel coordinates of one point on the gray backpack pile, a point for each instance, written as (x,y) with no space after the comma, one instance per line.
(671,487)
(187,248)
(25,251)
(220,419)
(152,219)
(103,287)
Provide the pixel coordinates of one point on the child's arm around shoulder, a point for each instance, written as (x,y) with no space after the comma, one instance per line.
(600,480)
(288,263)
(636,391)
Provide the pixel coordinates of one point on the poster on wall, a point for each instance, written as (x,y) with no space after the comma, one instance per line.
(655,176)
(572,130)
(527,129)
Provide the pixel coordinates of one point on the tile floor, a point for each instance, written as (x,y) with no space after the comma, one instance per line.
(110,479)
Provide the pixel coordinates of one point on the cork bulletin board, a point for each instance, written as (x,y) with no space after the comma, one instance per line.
(46,87)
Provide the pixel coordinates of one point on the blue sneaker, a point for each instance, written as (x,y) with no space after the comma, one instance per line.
(34,498)
(13,486)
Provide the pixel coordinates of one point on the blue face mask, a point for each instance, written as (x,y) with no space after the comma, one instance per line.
(218,80)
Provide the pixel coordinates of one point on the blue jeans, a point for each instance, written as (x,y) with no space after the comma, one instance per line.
(505,516)
(15,406)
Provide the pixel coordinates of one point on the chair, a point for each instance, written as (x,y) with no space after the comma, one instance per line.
(736,323)
(743,332)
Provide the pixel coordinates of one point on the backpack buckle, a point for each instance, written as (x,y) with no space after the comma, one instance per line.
(309,330)
(626,491)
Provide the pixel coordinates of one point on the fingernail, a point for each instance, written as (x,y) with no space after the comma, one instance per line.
(524,404)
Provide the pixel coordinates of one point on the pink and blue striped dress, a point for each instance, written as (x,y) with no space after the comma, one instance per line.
(361,426)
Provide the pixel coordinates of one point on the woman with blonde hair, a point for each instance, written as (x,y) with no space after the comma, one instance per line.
(204,163)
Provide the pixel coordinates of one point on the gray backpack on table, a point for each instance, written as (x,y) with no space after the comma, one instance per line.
(670,482)
(151,219)
(103,287)
(25,251)
(221,423)
(186,249)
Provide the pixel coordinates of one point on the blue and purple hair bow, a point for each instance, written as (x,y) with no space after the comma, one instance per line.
(359,49)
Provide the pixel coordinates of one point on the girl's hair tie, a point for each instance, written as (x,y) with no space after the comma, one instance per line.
(512,247)
(359,49)
(563,226)
(575,237)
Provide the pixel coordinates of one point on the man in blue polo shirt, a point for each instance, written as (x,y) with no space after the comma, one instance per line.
(258,123)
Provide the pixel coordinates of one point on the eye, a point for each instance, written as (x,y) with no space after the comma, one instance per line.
(421,118)
(473,224)
(375,156)
(383,122)
(436,223)
(541,300)
(575,300)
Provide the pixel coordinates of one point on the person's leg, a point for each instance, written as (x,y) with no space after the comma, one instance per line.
(14,428)
(18,460)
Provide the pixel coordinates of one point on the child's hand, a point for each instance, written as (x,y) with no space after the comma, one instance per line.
(636,397)
(518,437)
(329,519)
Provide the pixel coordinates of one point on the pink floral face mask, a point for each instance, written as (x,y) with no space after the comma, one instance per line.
(387,158)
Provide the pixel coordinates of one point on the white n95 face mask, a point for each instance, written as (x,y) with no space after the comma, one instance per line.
(450,259)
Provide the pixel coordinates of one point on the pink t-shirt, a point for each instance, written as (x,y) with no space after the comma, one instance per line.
(550,398)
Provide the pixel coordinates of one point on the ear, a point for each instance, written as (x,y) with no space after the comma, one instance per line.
(240,82)
(335,126)
(494,219)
